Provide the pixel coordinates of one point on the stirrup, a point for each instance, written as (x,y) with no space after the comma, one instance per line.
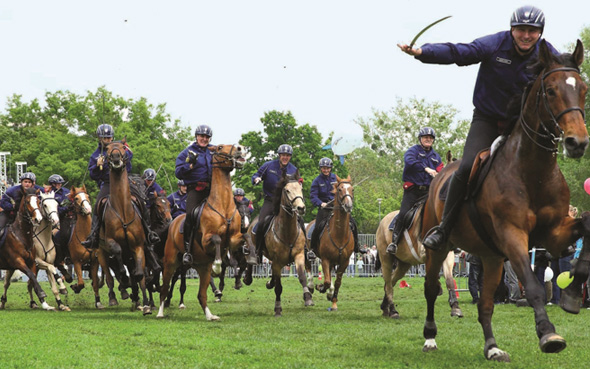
(391,248)
(89,243)
(435,237)
(245,249)
(311,255)
(187,258)
(153,237)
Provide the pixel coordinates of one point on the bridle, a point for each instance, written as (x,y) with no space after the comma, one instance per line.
(225,159)
(292,210)
(548,134)
(343,197)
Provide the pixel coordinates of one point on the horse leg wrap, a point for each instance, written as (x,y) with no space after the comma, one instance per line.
(430,329)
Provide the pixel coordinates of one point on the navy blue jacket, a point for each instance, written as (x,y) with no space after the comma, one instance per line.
(245,199)
(416,159)
(149,193)
(10,202)
(502,72)
(271,173)
(61,196)
(201,171)
(177,203)
(321,189)
(102,176)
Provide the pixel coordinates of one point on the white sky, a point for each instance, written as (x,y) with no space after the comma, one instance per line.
(225,63)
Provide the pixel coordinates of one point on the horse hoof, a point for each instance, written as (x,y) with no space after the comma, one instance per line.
(181,307)
(457,312)
(147,310)
(113,302)
(69,278)
(552,343)
(63,291)
(99,306)
(124,295)
(213,318)
(217,299)
(64,308)
(218,294)
(429,345)
(248,280)
(394,315)
(269,285)
(33,305)
(332,309)
(497,355)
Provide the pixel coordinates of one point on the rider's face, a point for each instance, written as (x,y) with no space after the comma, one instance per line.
(26,183)
(325,170)
(239,198)
(106,140)
(427,141)
(203,140)
(284,159)
(182,189)
(525,37)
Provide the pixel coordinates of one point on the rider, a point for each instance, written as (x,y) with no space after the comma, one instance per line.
(10,201)
(240,197)
(151,186)
(61,193)
(421,165)
(321,196)
(503,58)
(99,171)
(271,173)
(193,165)
(177,200)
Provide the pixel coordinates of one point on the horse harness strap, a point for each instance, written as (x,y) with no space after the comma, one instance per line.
(227,220)
(274,232)
(332,240)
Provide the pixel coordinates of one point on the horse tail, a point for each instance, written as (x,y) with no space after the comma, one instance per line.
(377,263)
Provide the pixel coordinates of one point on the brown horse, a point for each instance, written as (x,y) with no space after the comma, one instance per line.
(218,230)
(284,240)
(336,243)
(18,251)
(122,235)
(409,252)
(522,201)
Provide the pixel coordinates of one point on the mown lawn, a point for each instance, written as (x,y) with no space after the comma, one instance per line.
(248,336)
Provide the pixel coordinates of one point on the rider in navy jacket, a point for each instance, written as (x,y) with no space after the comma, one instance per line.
(151,186)
(503,58)
(193,166)
(11,199)
(61,193)
(177,200)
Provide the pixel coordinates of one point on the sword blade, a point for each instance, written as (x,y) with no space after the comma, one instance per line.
(426,29)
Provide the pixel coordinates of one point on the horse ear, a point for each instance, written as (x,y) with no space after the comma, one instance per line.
(338,178)
(578,54)
(545,56)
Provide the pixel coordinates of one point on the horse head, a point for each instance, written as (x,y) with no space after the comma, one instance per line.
(117,155)
(79,197)
(228,156)
(244,210)
(49,208)
(344,193)
(161,209)
(290,190)
(30,205)
(562,93)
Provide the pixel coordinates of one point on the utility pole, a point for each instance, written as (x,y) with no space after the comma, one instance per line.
(3,172)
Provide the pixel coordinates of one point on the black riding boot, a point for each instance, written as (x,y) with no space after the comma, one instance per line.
(392,247)
(309,253)
(259,235)
(151,236)
(187,258)
(439,234)
(355,235)
(92,241)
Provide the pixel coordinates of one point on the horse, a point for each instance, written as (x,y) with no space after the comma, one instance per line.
(409,252)
(217,231)
(80,255)
(121,234)
(18,252)
(284,240)
(45,249)
(523,200)
(336,243)
(160,219)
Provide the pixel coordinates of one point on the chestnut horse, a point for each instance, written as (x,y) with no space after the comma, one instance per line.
(18,251)
(218,230)
(45,249)
(284,240)
(409,252)
(336,243)
(122,235)
(79,254)
(522,201)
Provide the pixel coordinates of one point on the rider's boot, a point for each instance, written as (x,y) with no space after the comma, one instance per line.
(187,258)
(438,235)
(309,253)
(355,235)
(92,241)
(151,236)
(152,259)
(392,247)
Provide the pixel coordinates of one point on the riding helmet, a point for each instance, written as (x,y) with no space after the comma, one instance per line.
(28,175)
(204,129)
(528,15)
(105,131)
(55,178)
(285,149)
(325,162)
(180,183)
(149,174)
(426,131)
(239,192)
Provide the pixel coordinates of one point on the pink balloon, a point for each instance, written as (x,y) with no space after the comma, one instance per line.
(587,186)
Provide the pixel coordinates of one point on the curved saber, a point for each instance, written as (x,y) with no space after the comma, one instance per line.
(426,29)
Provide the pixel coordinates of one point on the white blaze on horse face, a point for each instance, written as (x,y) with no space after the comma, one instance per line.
(572,82)
(34,202)
(85,203)
(348,199)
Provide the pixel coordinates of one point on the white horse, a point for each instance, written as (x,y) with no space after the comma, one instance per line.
(45,248)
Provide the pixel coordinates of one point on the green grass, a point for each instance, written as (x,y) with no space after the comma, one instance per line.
(248,336)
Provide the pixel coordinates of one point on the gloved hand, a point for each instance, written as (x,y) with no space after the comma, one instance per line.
(192,157)
(257,180)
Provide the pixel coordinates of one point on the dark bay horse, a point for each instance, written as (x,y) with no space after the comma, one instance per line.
(122,235)
(80,255)
(409,252)
(18,251)
(284,240)
(336,243)
(217,232)
(523,200)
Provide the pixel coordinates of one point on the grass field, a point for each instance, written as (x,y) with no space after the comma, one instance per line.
(248,336)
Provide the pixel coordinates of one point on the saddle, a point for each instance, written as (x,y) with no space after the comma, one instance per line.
(197,212)
(408,220)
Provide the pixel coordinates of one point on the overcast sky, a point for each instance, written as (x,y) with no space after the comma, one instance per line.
(225,63)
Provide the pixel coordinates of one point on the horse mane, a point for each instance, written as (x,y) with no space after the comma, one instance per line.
(276,198)
(535,68)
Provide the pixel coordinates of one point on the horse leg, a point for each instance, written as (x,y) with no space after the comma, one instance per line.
(248,275)
(431,288)
(56,292)
(171,288)
(106,272)
(216,240)
(7,278)
(549,341)
(182,289)
(215,290)
(398,274)
(450,282)
(571,296)
(322,288)
(276,278)
(138,277)
(204,277)
(492,273)
(251,257)
(169,272)
(300,267)
(94,277)
(78,269)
